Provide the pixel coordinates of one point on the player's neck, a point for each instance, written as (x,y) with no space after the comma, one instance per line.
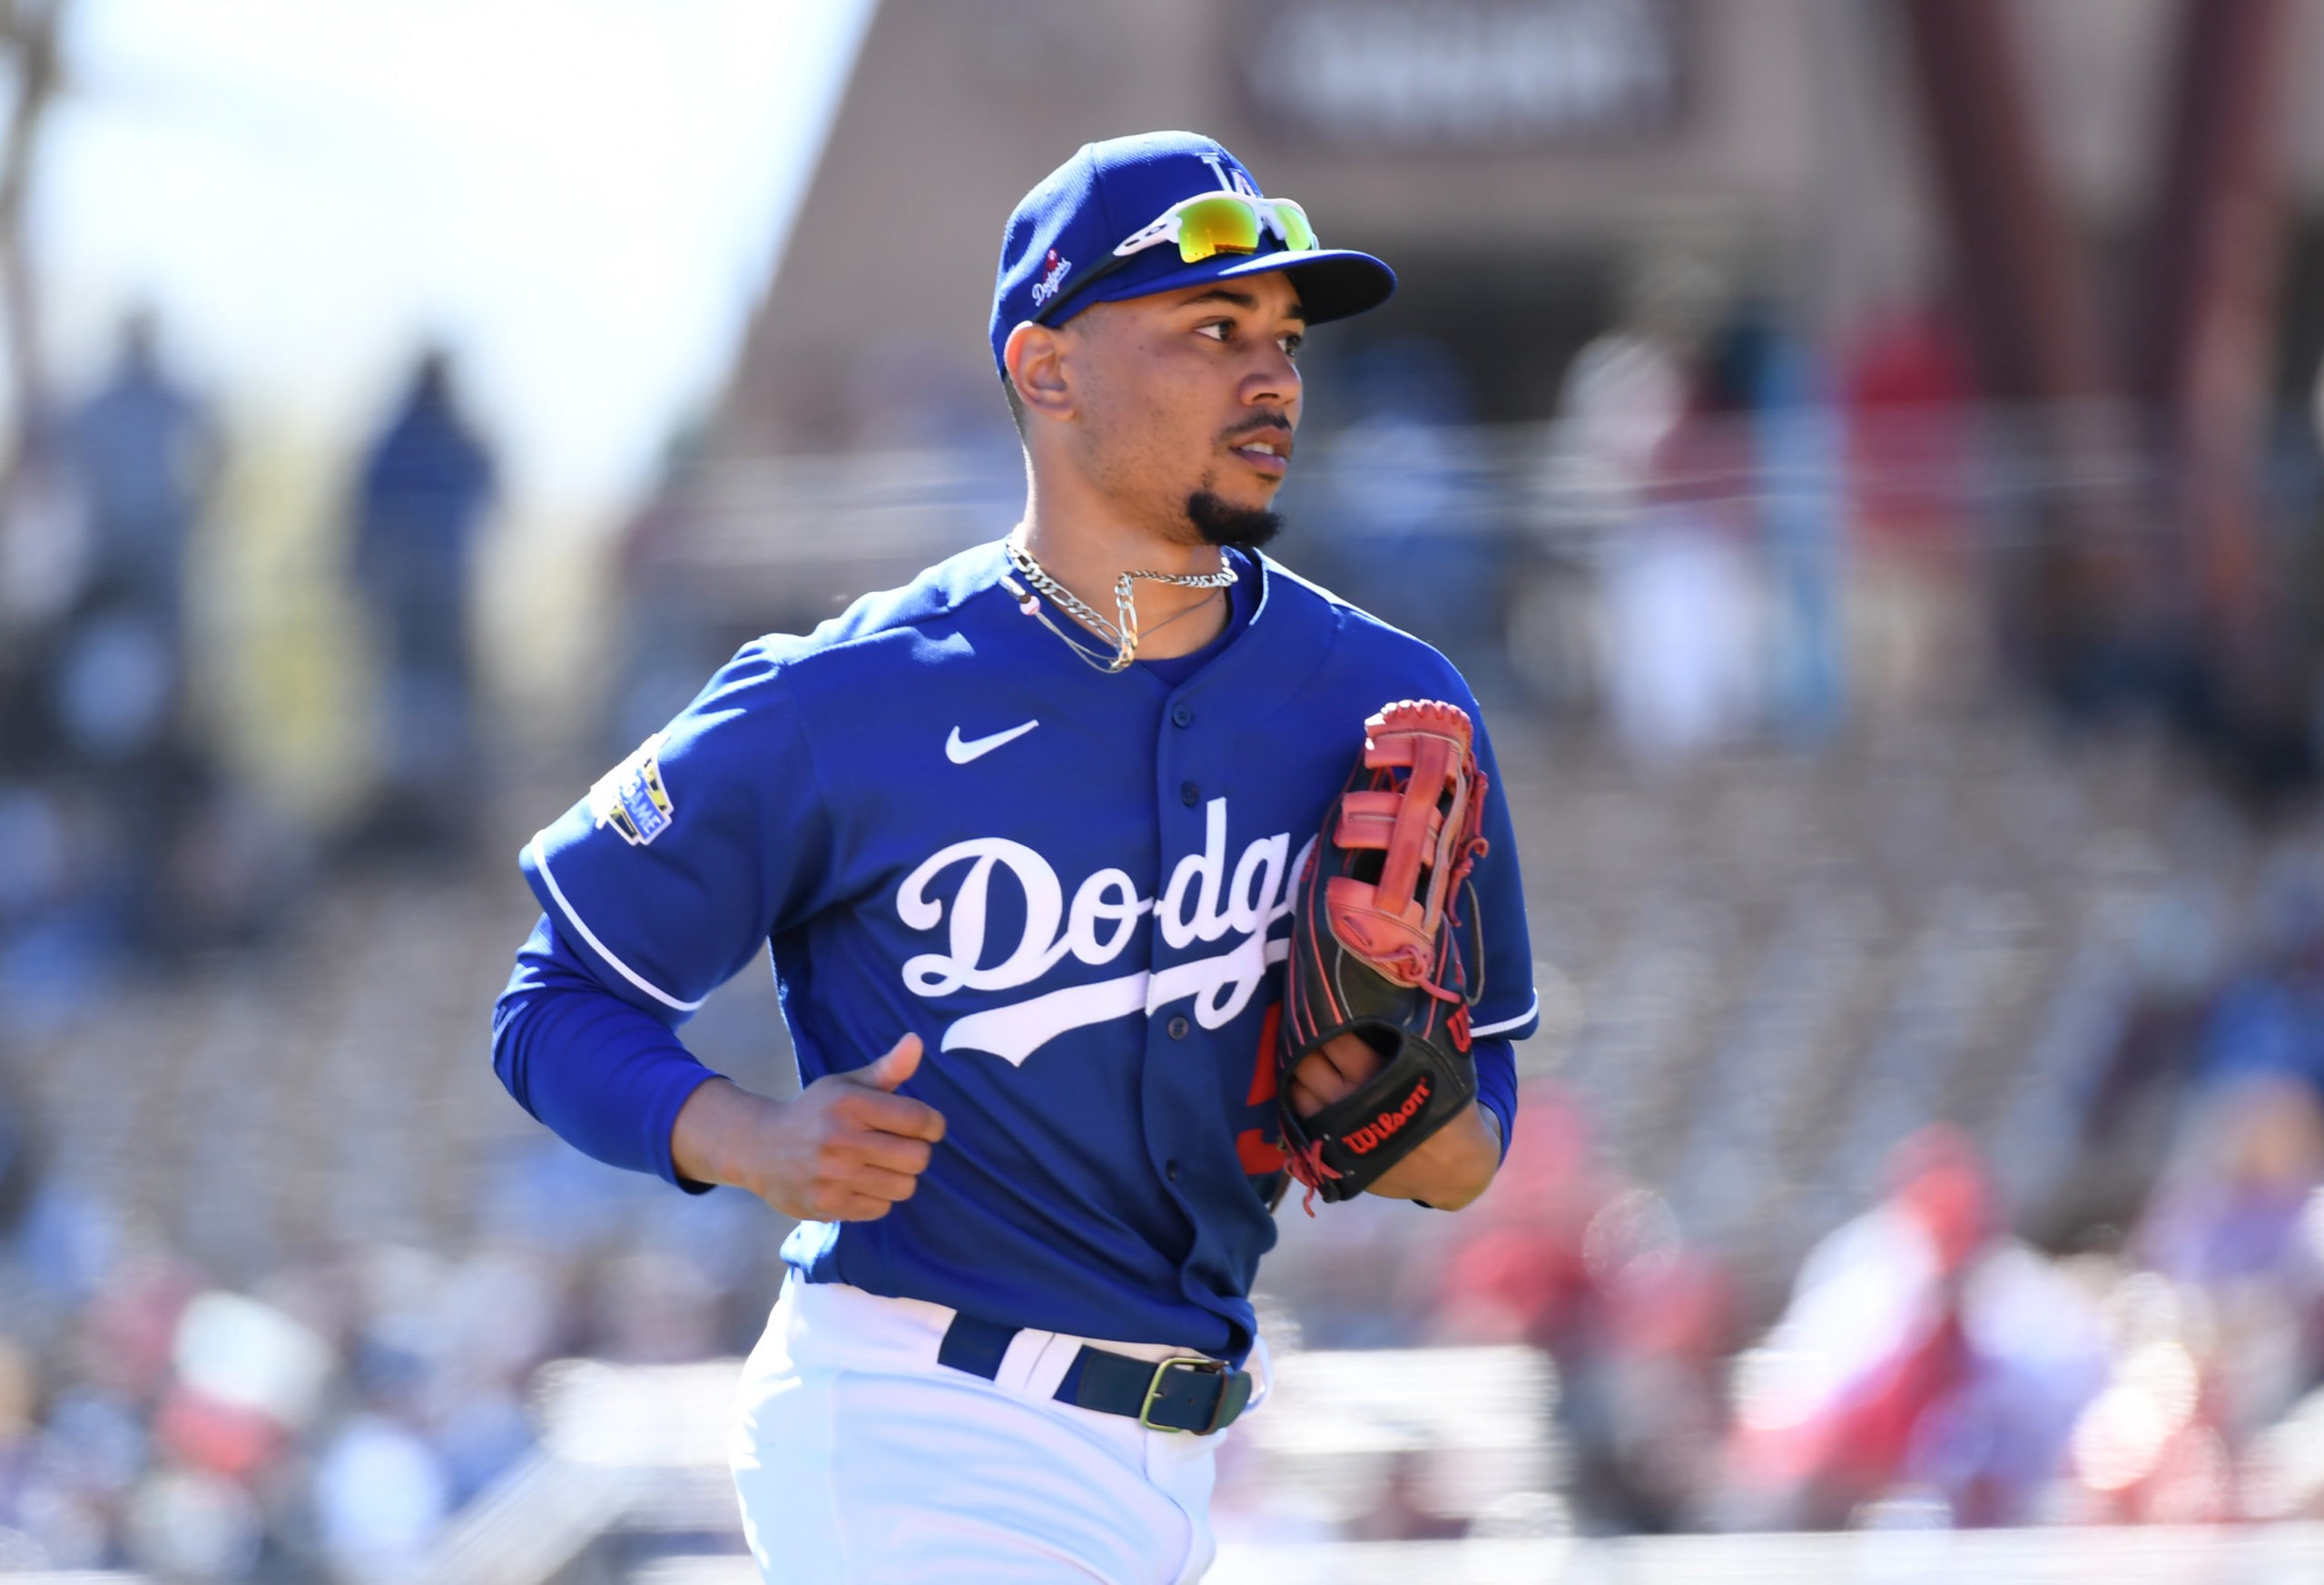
(1087,548)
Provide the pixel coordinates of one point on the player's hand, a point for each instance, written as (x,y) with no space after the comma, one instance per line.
(1449,1168)
(1334,1071)
(849,1147)
(845,1149)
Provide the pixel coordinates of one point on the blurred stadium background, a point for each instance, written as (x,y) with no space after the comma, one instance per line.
(1865,453)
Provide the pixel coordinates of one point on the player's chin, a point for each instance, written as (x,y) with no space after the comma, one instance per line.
(1238,519)
(1244,490)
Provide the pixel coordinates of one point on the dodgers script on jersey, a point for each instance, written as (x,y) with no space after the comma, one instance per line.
(1074,886)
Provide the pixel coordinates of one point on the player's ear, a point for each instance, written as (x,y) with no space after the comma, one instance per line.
(1035,356)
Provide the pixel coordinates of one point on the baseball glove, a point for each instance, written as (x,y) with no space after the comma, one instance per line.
(1375,950)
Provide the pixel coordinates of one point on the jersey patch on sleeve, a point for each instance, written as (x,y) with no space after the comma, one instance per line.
(630,798)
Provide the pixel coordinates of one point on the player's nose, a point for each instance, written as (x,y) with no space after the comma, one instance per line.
(1273,381)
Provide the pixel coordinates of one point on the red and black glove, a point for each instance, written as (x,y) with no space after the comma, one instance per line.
(1375,949)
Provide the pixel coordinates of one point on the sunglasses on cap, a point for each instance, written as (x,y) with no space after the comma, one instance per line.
(1203,227)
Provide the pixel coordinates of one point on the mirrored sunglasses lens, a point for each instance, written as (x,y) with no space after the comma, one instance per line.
(1297,234)
(1224,224)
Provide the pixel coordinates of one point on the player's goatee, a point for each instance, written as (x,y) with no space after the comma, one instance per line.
(1221,522)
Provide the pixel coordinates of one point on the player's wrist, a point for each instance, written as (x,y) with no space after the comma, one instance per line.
(1452,1166)
(712,1140)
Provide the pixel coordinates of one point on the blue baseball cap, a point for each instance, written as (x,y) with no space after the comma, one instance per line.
(1070,223)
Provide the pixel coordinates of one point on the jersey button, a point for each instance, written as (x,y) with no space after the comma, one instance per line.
(1170,1170)
(1182,715)
(1189,794)
(1178,1028)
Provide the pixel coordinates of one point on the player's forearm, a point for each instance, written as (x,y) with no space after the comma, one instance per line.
(1452,1166)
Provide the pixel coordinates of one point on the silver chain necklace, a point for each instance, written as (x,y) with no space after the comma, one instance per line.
(1122,631)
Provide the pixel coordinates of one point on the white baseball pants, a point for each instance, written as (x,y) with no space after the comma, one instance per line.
(860,1459)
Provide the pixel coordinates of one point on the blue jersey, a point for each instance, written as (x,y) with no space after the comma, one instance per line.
(1074,886)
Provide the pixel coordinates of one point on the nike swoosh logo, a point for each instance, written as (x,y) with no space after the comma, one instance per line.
(961,753)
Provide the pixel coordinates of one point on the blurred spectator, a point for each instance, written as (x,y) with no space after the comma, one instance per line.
(1627,390)
(1922,1353)
(426,483)
(143,458)
(1648,1414)
(1905,383)
(1567,1257)
(2152,1447)
(139,455)
(2236,1228)
(1620,400)
(1684,643)
(1516,1272)
(1775,381)
(1653,444)
(2231,1208)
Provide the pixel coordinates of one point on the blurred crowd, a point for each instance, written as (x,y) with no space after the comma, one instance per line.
(134,840)
(1735,530)
(330,1419)
(324,1422)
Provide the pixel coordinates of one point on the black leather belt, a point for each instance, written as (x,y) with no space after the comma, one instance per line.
(1189,1393)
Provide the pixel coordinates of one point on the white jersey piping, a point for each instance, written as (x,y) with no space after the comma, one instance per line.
(540,862)
(1474,1029)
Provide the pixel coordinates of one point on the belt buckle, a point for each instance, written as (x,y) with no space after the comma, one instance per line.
(1193,1362)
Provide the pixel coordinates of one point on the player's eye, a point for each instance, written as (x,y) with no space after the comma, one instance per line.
(1291,342)
(1216,330)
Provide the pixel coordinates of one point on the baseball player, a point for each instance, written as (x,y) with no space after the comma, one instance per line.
(1026,839)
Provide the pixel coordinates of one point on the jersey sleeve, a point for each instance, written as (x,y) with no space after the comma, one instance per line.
(1507,1006)
(1497,1084)
(674,869)
(605,1076)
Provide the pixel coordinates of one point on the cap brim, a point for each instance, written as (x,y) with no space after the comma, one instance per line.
(1332,283)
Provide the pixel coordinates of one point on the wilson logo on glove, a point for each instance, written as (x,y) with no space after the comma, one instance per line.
(1376,1132)
(1376,925)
